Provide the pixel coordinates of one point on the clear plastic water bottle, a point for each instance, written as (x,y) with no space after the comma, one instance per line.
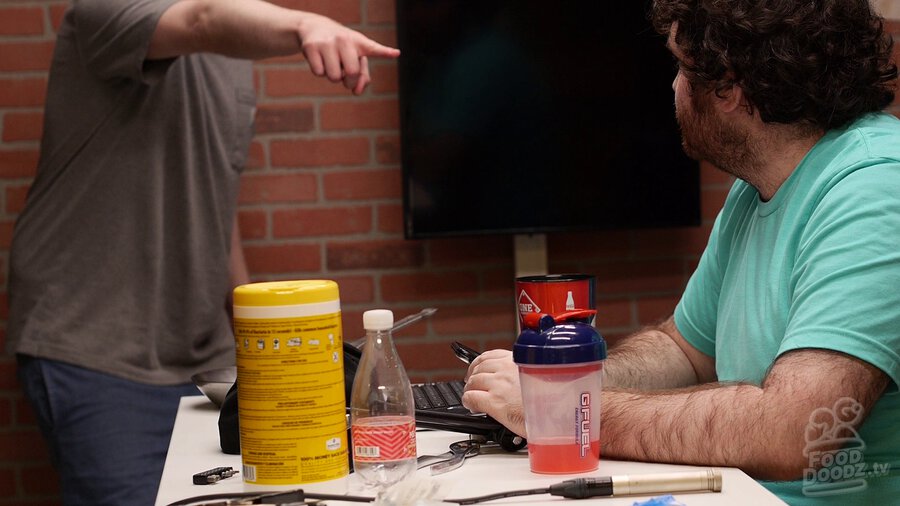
(382,414)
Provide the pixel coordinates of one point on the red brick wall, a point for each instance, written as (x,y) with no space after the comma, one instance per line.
(321,198)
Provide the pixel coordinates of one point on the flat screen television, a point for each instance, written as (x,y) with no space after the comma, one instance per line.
(526,116)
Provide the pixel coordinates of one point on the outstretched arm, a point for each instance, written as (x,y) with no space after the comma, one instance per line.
(254,29)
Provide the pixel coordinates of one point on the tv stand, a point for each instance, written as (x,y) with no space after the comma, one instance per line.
(530,252)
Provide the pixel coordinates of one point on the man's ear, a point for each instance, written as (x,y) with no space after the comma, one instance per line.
(731,99)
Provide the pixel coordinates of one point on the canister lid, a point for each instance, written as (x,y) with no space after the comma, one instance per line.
(283,293)
(556,278)
(565,343)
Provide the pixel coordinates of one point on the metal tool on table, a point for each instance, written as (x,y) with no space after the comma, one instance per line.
(461,451)
(450,460)
(399,324)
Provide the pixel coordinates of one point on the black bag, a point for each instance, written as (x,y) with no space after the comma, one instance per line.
(229,432)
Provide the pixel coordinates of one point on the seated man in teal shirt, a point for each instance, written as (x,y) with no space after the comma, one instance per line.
(783,356)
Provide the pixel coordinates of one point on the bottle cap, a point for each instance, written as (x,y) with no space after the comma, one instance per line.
(378,319)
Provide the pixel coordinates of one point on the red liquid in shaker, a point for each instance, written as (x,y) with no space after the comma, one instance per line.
(563,458)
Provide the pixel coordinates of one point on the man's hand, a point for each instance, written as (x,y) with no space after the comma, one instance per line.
(492,387)
(339,53)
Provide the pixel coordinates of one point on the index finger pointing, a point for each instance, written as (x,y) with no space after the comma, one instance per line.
(372,48)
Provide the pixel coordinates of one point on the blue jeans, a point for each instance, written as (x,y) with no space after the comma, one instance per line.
(108,437)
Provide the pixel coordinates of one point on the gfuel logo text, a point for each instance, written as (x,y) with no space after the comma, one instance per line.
(584,425)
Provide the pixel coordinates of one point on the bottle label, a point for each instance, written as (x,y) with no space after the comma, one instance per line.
(384,438)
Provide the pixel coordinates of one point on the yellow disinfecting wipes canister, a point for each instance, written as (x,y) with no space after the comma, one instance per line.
(290,373)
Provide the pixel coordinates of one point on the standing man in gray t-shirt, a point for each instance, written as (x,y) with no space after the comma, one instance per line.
(125,254)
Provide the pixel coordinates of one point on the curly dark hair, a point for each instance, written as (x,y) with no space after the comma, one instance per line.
(822,63)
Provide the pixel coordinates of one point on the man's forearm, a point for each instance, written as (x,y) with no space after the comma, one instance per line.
(648,360)
(711,424)
(762,430)
(250,29)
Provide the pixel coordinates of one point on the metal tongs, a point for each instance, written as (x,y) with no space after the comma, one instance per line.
(453,459)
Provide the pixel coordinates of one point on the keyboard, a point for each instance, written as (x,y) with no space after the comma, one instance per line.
(444,396)
(438,406)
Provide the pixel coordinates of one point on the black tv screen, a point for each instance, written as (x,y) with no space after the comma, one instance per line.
(526,116)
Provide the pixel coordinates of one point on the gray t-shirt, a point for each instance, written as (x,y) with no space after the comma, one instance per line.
(119,261)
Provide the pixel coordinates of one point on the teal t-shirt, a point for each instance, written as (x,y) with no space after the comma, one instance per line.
(817,266)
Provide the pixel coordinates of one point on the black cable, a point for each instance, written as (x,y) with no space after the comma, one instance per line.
(336,497)
(578,488)
(288,496)
(208,497)
(298,496)
(499,495)
(564,489)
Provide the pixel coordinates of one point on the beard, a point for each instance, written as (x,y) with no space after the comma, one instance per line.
(706,136)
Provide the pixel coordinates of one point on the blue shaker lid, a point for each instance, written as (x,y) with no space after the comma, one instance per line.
(567,338)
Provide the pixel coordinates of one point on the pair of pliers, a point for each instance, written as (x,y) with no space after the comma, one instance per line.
(448,461)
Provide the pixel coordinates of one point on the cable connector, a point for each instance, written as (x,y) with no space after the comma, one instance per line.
(581,488)
(213,475)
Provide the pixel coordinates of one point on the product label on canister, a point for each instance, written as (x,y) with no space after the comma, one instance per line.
(384,438)
(291,399)
(553,294)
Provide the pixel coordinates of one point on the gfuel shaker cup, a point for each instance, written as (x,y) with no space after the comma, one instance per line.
(560,361)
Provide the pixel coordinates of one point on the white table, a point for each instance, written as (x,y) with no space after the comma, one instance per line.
(195,447)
